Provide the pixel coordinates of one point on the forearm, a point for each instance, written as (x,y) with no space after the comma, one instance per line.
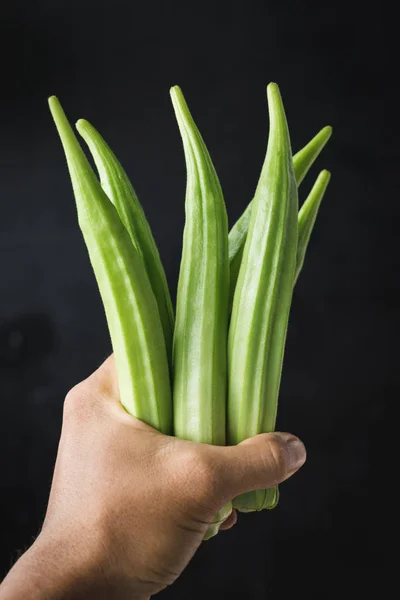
(53,570)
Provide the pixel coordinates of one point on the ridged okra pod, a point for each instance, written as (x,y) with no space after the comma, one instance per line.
(307,216)
(306,219)
(200,338)
(262,298)
(302,162)
(120,191)
(129,302)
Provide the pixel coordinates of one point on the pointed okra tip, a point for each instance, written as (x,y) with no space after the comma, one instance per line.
(177,97)
(273,92)
(175,89)
(60,118)
(324,177)
(277,117)
(327,130)
(323,136)
(55,106)
(181,108)
(82,123)
(84,128)
(274,96)
(58,114)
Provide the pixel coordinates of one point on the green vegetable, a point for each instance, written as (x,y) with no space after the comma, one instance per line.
(302,162)
(262,298)
(200,338)
(118,188)
(306,221)
(130,306)
(212,367)
(307,216)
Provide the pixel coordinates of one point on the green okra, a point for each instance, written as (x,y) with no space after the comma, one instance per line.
(262,298)
(200,337)
(129,302)
(306,219)
(307,216)
(302,162)
(119,189)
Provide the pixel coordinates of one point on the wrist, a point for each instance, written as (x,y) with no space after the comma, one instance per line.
(63,569)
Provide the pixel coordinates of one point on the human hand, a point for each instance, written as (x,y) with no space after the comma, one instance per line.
(129,506)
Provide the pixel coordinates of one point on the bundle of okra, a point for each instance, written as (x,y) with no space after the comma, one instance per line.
(211,372)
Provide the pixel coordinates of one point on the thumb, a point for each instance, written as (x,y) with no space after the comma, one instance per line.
(259,462)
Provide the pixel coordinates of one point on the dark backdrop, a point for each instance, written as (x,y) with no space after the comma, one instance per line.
(113,63)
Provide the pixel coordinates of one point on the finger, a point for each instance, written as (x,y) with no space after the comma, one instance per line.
(229,521)
(259,462)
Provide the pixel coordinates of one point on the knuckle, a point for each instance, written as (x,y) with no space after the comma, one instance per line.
(73,401)
(199,471)
(192,479)
(206,473)
(78,403)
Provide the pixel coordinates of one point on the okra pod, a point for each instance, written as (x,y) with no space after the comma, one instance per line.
(129,302)
(302,162)
(306,219)
(200,337)
(263,295)
(307,215)
(120,191)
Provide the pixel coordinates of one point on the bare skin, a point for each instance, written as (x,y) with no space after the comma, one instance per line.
(129,506)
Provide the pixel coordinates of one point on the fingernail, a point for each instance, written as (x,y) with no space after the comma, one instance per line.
(296,450)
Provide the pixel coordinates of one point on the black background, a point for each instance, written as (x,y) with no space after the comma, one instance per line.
(113,63)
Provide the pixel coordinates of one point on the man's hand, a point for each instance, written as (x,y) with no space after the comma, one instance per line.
(129,506)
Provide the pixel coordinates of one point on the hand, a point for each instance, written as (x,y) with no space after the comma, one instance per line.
(129,506)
